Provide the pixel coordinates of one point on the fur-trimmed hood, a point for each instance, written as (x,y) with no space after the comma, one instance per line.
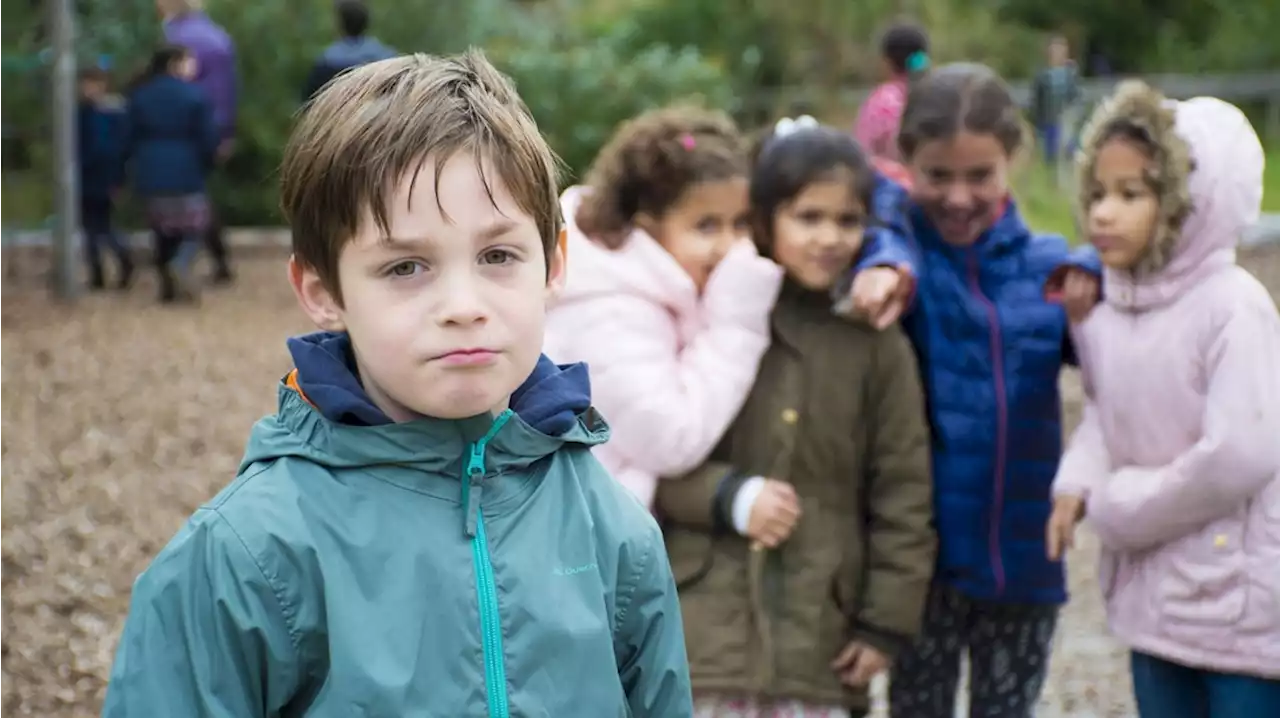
(1207,173)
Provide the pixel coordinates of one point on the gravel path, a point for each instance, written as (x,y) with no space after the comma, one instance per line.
(120,417)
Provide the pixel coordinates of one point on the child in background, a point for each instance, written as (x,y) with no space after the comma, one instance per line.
(172,147)
(667,300)
(990,348)
(904,54)
(804,547)
(420,529)
(1177,461)
(102,128)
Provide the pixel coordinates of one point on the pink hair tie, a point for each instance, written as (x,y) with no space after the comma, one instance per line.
(687,141)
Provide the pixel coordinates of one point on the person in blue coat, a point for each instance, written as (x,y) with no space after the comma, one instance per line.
(355,48)
(172,145)
(990,347)
(102,126)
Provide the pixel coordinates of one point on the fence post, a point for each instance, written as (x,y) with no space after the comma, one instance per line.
(66,283)
(1272,131)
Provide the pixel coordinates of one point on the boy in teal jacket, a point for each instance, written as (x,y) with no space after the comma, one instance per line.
(420,529)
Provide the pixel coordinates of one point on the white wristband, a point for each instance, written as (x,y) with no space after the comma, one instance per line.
(744,500)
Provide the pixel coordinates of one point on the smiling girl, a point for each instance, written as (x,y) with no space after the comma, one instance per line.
(990,347)
(804,548)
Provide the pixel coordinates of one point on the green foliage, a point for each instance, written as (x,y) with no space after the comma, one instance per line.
(581,94)
(583,66)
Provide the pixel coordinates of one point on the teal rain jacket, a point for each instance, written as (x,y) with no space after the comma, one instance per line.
(433,568)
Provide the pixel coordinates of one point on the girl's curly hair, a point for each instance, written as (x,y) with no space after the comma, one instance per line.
(651,161)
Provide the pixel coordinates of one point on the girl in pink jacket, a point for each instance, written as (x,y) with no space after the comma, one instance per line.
(1176,463)
(666,298)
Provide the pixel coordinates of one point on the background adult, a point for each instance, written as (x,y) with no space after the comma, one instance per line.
(186,24)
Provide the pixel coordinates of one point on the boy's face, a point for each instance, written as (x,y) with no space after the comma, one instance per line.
(446,315)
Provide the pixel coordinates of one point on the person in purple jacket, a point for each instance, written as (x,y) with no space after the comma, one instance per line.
(187,25)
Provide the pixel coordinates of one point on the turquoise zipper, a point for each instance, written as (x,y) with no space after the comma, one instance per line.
(495,670)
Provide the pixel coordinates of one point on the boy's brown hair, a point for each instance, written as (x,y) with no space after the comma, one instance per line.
(650,162)
(371,126)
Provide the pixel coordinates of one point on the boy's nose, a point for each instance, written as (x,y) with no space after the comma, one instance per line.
(462,303)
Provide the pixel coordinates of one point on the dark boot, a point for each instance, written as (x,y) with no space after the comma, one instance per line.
(97,280)
(126,272)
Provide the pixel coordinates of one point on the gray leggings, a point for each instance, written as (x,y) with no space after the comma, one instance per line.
(1008,646)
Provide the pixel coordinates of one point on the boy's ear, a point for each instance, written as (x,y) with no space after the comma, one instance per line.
(557,266)
(314,298)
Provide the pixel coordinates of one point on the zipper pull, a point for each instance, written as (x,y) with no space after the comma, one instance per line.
(472,487)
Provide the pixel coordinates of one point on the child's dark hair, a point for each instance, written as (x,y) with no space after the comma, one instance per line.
(353,17)
(959,97)
(161,63)
(788,160)
(906,47)
(94,73)
(651,161)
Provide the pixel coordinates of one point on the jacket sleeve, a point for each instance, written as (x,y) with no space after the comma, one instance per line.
(652,663)
(654,394)
(1085,259)
(889,241)
(702,499)
(901,545)
(206,635)
(1086,463)
(206,131)
(1237,456)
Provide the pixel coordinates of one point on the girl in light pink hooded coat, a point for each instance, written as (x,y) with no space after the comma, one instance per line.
(666,298)
(1176,463)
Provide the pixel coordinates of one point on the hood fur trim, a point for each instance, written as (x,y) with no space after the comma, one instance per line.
(1136,106)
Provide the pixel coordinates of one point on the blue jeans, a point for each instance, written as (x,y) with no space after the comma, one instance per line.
(1050,137)
(1165,689)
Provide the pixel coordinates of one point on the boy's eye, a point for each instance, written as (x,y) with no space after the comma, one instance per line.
(496,256)
(404,269)
(810,216)
(708,225)
(850,221)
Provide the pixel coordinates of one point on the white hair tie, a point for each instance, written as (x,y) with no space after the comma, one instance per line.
(787,126)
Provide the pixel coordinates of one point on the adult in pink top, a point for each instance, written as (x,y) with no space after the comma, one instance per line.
(1177,459)
(904,52)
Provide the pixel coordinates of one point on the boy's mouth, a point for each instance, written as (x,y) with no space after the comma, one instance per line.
(468,357)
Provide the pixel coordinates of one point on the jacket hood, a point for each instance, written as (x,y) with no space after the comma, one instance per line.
(1207,172)
(640,266)
(325,416)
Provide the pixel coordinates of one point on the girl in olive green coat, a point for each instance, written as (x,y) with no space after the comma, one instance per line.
(804,549)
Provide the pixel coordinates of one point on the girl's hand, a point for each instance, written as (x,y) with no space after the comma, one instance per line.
(774,514)
(1060,533)
(1077,290)
(858,663)
(880,294)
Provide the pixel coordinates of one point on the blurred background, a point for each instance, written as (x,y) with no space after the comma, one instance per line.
(121,415)
(585,65)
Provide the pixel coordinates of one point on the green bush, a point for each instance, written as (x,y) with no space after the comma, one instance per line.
(580,95)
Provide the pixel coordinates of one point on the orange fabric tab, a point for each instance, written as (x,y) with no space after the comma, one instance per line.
(291,381)
(563,241)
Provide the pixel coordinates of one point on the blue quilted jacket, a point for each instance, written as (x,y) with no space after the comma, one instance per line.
(990,350)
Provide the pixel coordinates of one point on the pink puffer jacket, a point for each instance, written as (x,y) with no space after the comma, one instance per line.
(1179,451)
(669,368)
